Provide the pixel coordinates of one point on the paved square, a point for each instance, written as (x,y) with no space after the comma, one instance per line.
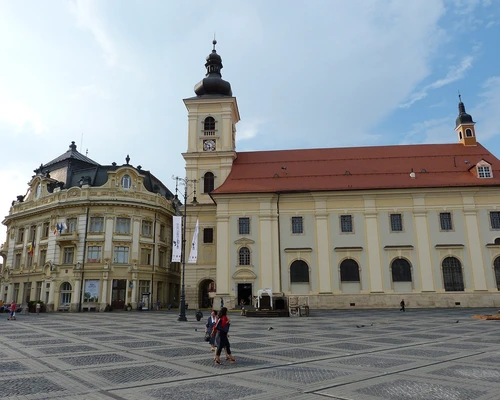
(339,354)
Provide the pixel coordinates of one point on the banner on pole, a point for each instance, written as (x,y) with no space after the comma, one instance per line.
(193,254)
(176,239)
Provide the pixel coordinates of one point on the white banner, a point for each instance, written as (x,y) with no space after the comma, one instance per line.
(193,254)
(177,239)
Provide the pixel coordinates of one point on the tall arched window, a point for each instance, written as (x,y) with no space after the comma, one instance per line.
(496,264)
(349,271)
(452,275)
(244,256)
(401,270)
(209,124)
(299,272)
(126,182)
(65,293)
(208,182)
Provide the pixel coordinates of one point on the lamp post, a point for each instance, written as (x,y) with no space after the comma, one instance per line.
(186,182)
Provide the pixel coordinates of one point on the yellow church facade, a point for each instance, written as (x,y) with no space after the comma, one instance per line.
(343,227)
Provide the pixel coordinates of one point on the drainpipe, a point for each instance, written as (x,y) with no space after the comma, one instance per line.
(279,241)
(153,266)
(82,288)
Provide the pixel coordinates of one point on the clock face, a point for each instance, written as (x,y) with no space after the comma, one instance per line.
(209,145)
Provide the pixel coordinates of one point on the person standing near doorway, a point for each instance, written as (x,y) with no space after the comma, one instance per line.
(38,305)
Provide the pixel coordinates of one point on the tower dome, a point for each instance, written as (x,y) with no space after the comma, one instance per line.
(213,84)
(463,117)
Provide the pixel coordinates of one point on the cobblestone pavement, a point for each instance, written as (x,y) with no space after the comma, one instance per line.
(347,354)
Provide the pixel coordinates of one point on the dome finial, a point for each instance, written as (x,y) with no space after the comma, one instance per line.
(214,42)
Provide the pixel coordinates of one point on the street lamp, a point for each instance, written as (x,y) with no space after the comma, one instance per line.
(186,182)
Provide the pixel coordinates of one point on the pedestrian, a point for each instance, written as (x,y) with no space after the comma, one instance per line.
(221,303)
(209,327)
(158,303)
(402,304)
(222,329)
(38,305)
(12,311)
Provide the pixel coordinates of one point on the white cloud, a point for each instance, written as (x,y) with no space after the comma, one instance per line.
(248,129)
(486,112)
(454,74)
(91,90)
(20,116)
(87,18)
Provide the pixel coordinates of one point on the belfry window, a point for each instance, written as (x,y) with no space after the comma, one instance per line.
(208,182)
(209,126)
(468,132)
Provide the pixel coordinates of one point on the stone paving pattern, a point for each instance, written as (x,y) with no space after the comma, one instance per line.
(438,354)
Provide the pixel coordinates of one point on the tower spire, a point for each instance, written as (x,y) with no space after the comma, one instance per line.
(465,125)
(213,84)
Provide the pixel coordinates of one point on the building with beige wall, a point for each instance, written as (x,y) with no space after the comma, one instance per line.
(104,228)
(340,227)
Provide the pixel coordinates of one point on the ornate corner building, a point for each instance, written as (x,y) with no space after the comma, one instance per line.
(106,229)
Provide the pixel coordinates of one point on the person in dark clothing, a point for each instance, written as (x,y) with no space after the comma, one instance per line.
(209,327)
(402,304)
(222,329)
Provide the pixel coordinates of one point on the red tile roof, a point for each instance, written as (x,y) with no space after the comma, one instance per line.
(355,168)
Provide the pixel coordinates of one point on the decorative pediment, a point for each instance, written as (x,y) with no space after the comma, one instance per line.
(244,241)
(244,274)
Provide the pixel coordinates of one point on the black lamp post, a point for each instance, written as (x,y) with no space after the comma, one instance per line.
(186,182)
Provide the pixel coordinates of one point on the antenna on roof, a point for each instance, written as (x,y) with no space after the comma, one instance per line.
(86,152)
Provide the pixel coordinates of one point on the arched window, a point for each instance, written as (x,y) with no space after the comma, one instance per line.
(349,271)
(452,275)
(401,270)
(299,272)
(126,182)
(65,293)
(496,264)
(209,124)
(208,182)
(244,256)
(468,132)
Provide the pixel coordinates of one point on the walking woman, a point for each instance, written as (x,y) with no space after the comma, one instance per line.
(209,327)
(222,329)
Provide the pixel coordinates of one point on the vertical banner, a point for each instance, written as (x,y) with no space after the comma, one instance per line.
(176,239)
(193,254)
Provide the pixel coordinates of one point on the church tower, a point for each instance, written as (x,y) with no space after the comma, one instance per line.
(465,126)
(212,117)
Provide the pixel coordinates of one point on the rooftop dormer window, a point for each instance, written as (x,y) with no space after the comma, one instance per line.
(484,171)
(126,182)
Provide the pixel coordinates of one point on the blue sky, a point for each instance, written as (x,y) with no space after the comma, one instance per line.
(332,73)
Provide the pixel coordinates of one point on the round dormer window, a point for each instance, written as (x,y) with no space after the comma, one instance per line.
(38,191)
(126,182)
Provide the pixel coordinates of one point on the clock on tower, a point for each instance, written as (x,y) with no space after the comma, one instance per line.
(209,145)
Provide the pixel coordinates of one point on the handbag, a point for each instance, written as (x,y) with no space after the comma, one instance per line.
(207,336)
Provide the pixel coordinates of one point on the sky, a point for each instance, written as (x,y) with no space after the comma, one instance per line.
(111,76)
